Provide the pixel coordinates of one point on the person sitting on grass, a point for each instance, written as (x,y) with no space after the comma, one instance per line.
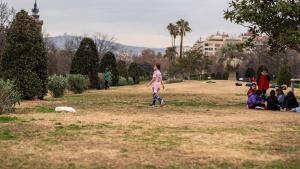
(290,101)
(272,101)
(280,97)
(252,89)
(255,101)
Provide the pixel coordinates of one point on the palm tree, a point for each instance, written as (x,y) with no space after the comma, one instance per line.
(171,54)
(183,28)
(231,56)
(173,29)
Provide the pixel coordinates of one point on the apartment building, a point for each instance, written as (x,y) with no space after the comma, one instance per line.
(212,44)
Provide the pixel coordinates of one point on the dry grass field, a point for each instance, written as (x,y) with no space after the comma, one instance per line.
(202,126)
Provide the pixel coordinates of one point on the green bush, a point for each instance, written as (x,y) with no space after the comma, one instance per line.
(284,76)
(135,72)
(78,83)
(9,97)
(123,81)
(57,85)
(218,76)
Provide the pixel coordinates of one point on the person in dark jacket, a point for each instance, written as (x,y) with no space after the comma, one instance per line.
(280,97)
(272,102)
(290,101)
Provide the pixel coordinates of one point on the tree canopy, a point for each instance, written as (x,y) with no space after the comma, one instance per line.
(86,61)
(279,19)
(25,58)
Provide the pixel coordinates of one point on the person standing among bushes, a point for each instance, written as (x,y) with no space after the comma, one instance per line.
(263,82)
(272,101)
(290,101)
(156,82)
(107,78)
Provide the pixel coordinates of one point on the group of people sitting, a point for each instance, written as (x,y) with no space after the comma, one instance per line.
(276,101)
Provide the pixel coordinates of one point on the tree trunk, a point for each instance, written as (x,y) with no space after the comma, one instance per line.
(181,46)
(174,41)
(232,76)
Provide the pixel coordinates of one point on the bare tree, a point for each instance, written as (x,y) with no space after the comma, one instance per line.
(73,43)
(104,43)
(6,16)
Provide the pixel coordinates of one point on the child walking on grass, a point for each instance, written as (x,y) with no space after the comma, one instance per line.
(156,82)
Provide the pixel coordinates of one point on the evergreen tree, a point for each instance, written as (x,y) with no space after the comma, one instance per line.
(284,76)
(135,72)
(25,58)
(109,61)
(86,61)
(122,69)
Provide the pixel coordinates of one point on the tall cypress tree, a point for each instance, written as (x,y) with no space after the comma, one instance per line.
(25,58)
(86,61)
(109,61)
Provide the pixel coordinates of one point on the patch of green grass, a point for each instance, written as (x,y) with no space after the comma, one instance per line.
(43,109)
(279,164)
(7,135)
(7,119)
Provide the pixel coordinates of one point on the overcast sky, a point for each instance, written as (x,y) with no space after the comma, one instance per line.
(132,22)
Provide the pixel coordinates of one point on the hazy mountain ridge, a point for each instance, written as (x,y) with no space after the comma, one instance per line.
(59,41)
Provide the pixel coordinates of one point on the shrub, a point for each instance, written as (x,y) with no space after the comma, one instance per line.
(219,76)
(135,72)
(57,85)
(123,81)
(284,76)
(24,59)
(86,61)
(78,83)
(9,97)
(122,69)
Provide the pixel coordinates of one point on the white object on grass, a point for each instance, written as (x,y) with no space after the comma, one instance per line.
(65,109)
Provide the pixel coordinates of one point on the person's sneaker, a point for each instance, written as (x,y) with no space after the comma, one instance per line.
(162,103)
(259,108)
(152,105)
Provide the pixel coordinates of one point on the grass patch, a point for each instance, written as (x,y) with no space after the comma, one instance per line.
(43,109)
(7,135)
(155,136)
(7,119)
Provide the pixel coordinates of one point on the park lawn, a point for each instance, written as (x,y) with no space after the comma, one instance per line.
(202,126)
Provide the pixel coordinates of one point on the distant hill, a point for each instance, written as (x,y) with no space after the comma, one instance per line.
(59,41)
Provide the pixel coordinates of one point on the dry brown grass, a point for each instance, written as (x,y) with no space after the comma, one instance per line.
(203,125)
